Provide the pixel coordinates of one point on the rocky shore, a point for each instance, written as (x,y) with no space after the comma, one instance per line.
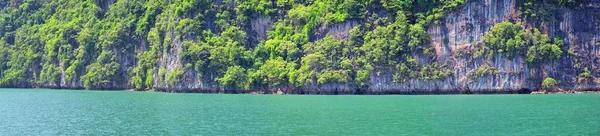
(565,92)
(300,92)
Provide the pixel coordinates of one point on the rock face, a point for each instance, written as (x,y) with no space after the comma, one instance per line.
(463,29)
(458,32)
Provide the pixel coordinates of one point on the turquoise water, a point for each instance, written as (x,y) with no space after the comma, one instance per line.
(67,112)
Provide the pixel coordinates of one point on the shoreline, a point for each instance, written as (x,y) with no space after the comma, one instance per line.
(565,92)
(262,92)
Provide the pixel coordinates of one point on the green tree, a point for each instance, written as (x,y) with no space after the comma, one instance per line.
(549,83)
(274,73)
(234,78)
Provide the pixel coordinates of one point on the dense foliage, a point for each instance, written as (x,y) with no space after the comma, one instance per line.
(544,10)
(145,44)
(511,39)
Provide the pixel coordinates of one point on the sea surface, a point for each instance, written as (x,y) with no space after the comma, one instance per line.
(78,112)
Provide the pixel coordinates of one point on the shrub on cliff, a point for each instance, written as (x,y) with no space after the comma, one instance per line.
(512,40)
(585,76)
(506,38)
(549,83)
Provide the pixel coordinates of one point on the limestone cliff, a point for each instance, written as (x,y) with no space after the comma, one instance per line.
(462,31)
(454,38)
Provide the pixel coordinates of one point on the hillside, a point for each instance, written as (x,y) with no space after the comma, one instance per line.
(302,46)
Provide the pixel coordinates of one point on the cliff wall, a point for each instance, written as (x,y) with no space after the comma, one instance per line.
(454,39)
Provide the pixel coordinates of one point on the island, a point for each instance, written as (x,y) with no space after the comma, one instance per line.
(302,47)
